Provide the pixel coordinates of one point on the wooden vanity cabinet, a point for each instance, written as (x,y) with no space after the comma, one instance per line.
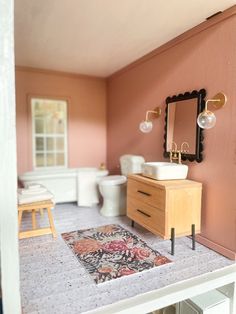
(160,206)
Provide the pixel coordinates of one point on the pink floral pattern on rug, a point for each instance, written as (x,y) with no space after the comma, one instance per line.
(110,252)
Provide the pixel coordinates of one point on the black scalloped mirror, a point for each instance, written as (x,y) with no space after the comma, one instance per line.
(181,124)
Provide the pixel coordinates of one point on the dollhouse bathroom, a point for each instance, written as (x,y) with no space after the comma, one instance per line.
(119,182)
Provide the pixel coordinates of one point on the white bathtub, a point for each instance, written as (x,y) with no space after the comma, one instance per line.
(61,182)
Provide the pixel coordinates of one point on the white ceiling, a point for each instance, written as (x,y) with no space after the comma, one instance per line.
(99,37)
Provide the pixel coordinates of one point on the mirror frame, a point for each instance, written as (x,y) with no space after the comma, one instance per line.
(200,96)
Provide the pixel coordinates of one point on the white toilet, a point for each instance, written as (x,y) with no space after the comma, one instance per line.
(113,188)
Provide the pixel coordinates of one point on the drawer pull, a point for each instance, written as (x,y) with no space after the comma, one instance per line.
(145,193)
(145,214)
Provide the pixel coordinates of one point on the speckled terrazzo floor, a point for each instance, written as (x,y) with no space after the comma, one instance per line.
(53,281)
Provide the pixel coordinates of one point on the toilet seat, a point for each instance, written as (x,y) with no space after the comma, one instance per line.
(113,180)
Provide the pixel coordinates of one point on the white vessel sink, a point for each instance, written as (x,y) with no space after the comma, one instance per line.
(164,170)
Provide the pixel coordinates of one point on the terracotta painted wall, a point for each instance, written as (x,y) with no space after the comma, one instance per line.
(86,115)
(205,60)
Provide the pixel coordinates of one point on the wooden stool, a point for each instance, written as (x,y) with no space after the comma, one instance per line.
(33,207)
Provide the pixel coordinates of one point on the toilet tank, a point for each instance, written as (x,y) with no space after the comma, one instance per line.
(131,164)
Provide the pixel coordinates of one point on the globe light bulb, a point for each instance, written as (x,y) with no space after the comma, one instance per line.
(206,119)
(145,126)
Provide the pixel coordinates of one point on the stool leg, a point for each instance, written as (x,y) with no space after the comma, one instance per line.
(33,219)
(19,219)
(51,222)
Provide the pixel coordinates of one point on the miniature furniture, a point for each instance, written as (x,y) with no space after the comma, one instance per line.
(33,208)
(166,208)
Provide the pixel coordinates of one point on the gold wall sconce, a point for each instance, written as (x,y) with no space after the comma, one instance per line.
(207,119)
(147,125)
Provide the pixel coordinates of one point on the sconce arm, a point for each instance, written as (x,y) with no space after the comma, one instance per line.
(148,112)
(210,100)
(157,111)
(219,100)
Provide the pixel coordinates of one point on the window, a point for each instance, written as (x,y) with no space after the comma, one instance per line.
(49,125)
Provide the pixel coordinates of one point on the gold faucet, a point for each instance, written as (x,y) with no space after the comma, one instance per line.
(179,157)
(176,154)
(173,153)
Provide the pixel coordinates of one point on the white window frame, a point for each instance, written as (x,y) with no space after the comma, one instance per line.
(47,135)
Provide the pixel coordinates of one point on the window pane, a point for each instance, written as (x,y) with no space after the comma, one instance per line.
(56,114)
(49,116)
(39,160)
(60,127)
(54,126)
(39,126)
(60,159)
(50,159)
(49,125)
(39,145)
(50,143)
(60,143)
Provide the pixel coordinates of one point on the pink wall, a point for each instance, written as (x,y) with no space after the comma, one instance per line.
(86,114)
(202,59)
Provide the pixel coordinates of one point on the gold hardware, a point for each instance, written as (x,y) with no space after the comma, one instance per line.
(207,119)
(179,157)
(176,154)
(146,125)
(173,153)
(219,100)
(102,166)
(156,111)
(171,145)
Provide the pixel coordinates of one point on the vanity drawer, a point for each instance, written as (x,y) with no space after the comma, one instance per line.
(149,217)
(146,193)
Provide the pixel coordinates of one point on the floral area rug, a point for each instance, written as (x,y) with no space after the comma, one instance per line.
(110,252)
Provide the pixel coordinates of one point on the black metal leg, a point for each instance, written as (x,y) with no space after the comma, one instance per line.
(132,223)
(172,241)
(193,237)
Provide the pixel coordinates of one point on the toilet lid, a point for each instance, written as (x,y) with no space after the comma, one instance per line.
(113,180)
